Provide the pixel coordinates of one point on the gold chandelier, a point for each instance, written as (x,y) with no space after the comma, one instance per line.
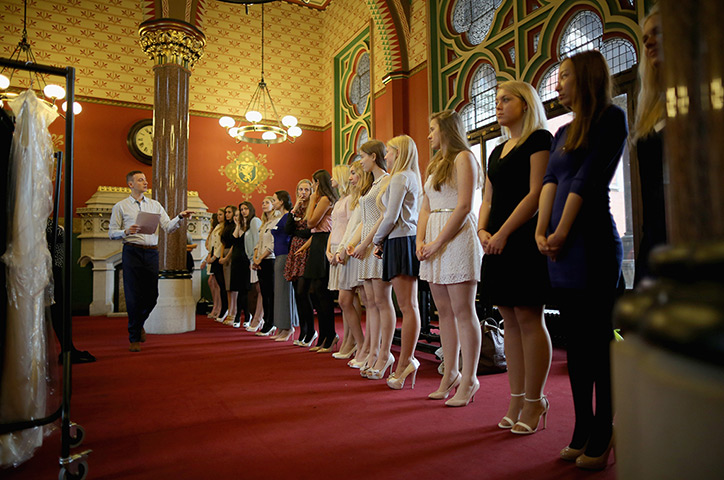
(51,91)
(263,125)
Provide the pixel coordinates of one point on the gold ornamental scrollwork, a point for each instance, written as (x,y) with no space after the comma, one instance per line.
(170,41)
(246,172)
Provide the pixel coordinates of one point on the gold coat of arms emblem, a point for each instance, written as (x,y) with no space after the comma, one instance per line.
(246,172)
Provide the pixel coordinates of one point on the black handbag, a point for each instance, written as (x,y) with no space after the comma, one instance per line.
(492,350)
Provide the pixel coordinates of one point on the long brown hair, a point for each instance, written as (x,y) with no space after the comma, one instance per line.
(452,141)
(376,148)
(591,95)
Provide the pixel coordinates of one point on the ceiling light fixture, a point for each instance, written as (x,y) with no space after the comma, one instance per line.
(51,91)
(264,126)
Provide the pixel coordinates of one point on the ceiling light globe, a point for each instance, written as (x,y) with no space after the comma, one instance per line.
(253,116)
(76,107)
(233,132)
(269,136)
(289,121)
(54,91)
(4,82)
(294,131)
(226,122)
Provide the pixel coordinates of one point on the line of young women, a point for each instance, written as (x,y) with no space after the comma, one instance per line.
(545,197)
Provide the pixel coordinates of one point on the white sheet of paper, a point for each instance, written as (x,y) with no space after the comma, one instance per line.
(148,222)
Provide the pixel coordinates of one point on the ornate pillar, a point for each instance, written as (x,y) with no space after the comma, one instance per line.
(174,46)
(671,364)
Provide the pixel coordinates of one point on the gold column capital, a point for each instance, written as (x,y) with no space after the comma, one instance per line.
(169,41)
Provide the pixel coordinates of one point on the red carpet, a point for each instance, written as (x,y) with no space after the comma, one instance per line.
(221,403)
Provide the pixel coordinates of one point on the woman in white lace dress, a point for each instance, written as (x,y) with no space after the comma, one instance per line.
(372,155)
(450,253)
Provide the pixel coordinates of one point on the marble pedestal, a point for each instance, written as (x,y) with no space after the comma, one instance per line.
(175,311)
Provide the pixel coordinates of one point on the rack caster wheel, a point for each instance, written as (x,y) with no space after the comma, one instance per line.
(82,472)
(77,434)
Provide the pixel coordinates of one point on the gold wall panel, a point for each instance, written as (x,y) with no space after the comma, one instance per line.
(417,49)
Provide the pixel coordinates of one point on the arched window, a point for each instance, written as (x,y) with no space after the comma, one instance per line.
(468,116)
(584,32)
(361,140)
(474,17)
(359,91)
(547,88)
(481,109)
(620,54)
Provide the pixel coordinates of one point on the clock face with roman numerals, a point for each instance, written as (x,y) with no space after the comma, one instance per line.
(140,140)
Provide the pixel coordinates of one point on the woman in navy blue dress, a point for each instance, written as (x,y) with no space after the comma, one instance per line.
(578,234)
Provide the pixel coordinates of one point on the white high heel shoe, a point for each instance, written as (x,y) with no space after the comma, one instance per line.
(506,422)
(267,334)
(543,416)
(257,328)
(373,374)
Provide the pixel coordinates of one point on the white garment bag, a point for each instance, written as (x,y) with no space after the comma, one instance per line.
(25,380)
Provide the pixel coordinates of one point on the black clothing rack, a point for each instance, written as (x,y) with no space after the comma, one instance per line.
(72,467)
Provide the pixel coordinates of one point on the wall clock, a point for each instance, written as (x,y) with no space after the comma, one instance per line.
(140,140)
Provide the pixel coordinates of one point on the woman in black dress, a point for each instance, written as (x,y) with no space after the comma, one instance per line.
(648,137)
(514,275)
(240,284)
(319,221)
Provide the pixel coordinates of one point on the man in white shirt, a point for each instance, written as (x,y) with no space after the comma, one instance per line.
(140,253)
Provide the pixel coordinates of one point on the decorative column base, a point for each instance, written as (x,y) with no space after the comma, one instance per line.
(175,311)
(103,286)
(660,392)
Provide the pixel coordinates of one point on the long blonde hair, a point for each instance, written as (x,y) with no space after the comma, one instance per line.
(340,174)
(441,168)
(364,182)
(267,217)
(534,116)
(406,160)
(651,103)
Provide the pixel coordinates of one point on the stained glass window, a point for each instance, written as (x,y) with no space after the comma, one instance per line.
(620,54)
(481,109)
(547,88)
(359,91)
(584,32)
(474,17)
(361,140)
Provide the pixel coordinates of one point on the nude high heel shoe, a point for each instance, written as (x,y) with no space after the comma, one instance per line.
(442,393)
(527,429)
(463,401)
(341,355)
(595,463)
(284,337)
(330,347)
(507,422)
(571,454)
(398,383)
